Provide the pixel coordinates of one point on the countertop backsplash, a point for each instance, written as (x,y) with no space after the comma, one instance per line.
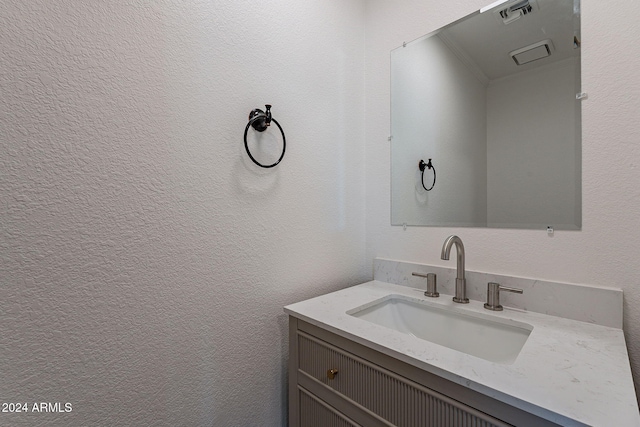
(586,303)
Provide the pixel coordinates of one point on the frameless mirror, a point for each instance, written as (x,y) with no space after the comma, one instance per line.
(486,120)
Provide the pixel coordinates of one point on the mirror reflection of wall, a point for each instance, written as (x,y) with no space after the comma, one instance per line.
(504,134)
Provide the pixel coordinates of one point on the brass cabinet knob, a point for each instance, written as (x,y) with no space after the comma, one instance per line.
(331,373)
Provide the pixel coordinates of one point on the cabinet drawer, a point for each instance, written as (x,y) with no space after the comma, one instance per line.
(395,399)
(315,412)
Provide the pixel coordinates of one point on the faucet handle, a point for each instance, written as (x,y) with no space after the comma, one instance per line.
(432,290)
(493,295)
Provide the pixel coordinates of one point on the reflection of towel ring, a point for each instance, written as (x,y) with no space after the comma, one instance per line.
(260,121)
(422,166)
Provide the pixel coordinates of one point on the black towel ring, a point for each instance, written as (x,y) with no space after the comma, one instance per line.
(422,166)
(260,121)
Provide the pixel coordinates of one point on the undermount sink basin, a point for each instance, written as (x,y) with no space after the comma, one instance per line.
(485,336)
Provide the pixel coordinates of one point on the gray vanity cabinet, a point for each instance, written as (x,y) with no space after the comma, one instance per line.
(335,382)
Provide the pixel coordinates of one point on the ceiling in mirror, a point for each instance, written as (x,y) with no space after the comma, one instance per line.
(488,38)
(489,104)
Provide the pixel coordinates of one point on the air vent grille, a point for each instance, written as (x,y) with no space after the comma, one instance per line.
(533,52)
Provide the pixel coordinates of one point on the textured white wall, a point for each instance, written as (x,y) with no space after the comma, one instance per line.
(145,260)
(445,122)
(606,251)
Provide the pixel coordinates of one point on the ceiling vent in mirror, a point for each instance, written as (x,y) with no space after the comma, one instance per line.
(532,52)
(515,10)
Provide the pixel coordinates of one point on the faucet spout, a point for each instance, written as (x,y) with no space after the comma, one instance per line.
(461,285)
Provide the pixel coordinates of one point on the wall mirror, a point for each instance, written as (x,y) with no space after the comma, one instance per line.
(486,111)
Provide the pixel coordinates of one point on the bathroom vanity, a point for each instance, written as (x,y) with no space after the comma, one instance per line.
(351,364)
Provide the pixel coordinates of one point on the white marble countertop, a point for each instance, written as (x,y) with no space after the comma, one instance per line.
(569,372)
